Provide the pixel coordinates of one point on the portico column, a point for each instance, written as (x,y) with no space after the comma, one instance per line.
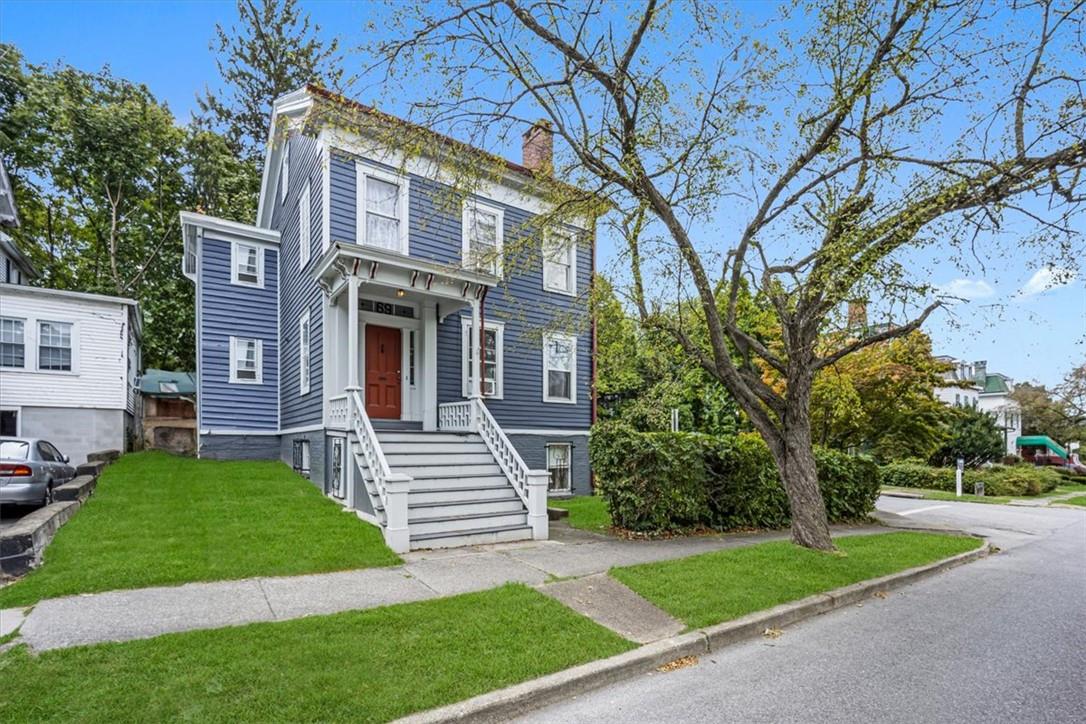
(476,363)
(429,365)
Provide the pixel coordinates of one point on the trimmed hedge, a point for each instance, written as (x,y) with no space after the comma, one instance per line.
(659,482)
(999,480)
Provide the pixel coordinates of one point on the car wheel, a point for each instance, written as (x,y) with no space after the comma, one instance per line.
(50,497)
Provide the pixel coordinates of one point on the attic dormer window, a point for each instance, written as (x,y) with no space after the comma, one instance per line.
(284,172)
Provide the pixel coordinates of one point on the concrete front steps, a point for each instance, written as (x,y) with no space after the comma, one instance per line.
(459,496)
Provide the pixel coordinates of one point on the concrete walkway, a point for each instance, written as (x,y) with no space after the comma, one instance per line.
(143,613)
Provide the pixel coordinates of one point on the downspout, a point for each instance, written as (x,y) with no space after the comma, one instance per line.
(482,339)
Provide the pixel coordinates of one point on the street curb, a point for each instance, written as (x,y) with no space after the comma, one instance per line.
(513,701)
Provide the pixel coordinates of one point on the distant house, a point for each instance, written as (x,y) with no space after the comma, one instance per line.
(169,411)
(68,360)
(970,384)
(373,330)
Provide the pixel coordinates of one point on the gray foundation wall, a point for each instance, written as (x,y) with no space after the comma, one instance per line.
(77,431)
(317,456)
(533,449)
(239,447)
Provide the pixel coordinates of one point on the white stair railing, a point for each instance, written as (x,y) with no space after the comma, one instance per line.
(392,488)
(531,485)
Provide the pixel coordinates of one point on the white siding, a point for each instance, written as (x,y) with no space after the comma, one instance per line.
(100,334)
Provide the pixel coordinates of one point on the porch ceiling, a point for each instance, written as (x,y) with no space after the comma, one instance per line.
(418,278)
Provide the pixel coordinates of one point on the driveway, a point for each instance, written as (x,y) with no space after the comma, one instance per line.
(999,640)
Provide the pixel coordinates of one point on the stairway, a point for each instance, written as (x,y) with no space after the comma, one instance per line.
(459,496)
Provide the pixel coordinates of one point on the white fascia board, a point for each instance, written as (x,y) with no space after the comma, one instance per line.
(291,105)
(508,192)
(64,293)
(233,230)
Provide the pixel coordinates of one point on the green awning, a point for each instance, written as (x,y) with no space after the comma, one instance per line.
(1041,441)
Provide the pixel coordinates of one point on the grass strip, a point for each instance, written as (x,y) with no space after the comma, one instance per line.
(928,494)
(157,519)
(372,665)
(723,585)
(1077,500)
(588,512)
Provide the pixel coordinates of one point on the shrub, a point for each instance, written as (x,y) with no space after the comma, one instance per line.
(660,482)
(1011,460)
(973,436)
(999,480)
(912,475)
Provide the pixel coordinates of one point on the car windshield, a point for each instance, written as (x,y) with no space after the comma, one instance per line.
(14,449)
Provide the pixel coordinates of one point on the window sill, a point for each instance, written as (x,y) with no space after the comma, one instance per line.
(559,401)
(563,292)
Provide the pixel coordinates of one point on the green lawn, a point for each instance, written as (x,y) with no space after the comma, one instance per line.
(156,519)
(944,495)
(370,665)
(1077,500)
(713,587)
(588,512)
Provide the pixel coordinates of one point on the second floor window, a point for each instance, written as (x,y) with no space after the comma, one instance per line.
(55,346)
(492,360)
(382,213)
(246,360)
(12,343)
(248,265)
(483,235)
(559,263)
(559,368)
(305,229)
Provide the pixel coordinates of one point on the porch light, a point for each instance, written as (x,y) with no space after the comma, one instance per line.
(400,292)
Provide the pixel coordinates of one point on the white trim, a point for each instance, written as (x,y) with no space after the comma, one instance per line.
(234,431)
(364,171)
(499,343)
(305,346)
(234,279)
(571,251)
(569,465)
(326,193)
(233,229)
(305,226)
(18,410)
(259,361)
(572,400)
(543,431)
(303,429)
(469,207)
(26,347)
(83,296)
(284,171)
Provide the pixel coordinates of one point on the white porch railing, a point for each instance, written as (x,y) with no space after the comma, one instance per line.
(338,412)
(531,485)
(392,488)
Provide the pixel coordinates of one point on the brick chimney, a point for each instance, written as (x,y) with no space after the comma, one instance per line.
(857,314)
(538,147)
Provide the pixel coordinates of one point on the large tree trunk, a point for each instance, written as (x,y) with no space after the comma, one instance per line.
(794,454)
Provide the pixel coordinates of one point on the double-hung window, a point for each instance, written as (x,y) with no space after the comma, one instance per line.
(303,353)
(55,346)
(482,236)
(247,267)
(305,229)
(246,360)
(492,359)
(558,465)
(382,204)
(12,342)
(560,263)
(559,368)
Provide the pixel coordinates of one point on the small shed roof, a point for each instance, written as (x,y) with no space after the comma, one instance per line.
(166,383)
(1041,441)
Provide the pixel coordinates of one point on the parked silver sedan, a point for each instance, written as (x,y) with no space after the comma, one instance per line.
(30,469)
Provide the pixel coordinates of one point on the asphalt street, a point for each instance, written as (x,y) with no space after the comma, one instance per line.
(999,640)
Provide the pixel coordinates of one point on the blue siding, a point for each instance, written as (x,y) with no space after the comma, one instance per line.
(298,290)
(230,310)
(520,301)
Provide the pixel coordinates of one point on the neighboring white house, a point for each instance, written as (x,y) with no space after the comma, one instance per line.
(68,368)
(970,384)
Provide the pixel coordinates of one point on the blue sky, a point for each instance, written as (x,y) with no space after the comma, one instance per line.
(1022,327)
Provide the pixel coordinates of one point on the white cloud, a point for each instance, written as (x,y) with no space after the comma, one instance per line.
(968,289)
(1046,278)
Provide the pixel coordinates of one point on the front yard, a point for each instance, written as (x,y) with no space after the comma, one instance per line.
(157,519)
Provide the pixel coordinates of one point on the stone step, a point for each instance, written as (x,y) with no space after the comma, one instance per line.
(502,491)
(426,511)
(438,471)
(426,437)
(435,448)
(480,536)
(444,460)
(430,484)
(467,521)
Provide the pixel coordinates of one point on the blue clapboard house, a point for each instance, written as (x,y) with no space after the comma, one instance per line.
(422,353)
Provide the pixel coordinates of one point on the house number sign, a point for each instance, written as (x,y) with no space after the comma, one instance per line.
(395,310)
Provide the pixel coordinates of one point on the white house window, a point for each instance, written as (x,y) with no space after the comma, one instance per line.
(482,236)
(12,343)
(559,263)
(559,455)
(55,346)
(559,368)
(492,362)
(248,265)
(246,360)
(382,204)
(305,229)
(284,172)
(303,353)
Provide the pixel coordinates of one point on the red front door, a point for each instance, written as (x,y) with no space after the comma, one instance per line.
(383,372)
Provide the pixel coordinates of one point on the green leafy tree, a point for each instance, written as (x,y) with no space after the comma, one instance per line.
(972,435)
(818,134)
(1059,413)
(272,50)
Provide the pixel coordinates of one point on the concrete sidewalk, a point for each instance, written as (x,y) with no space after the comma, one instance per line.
(143,613)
